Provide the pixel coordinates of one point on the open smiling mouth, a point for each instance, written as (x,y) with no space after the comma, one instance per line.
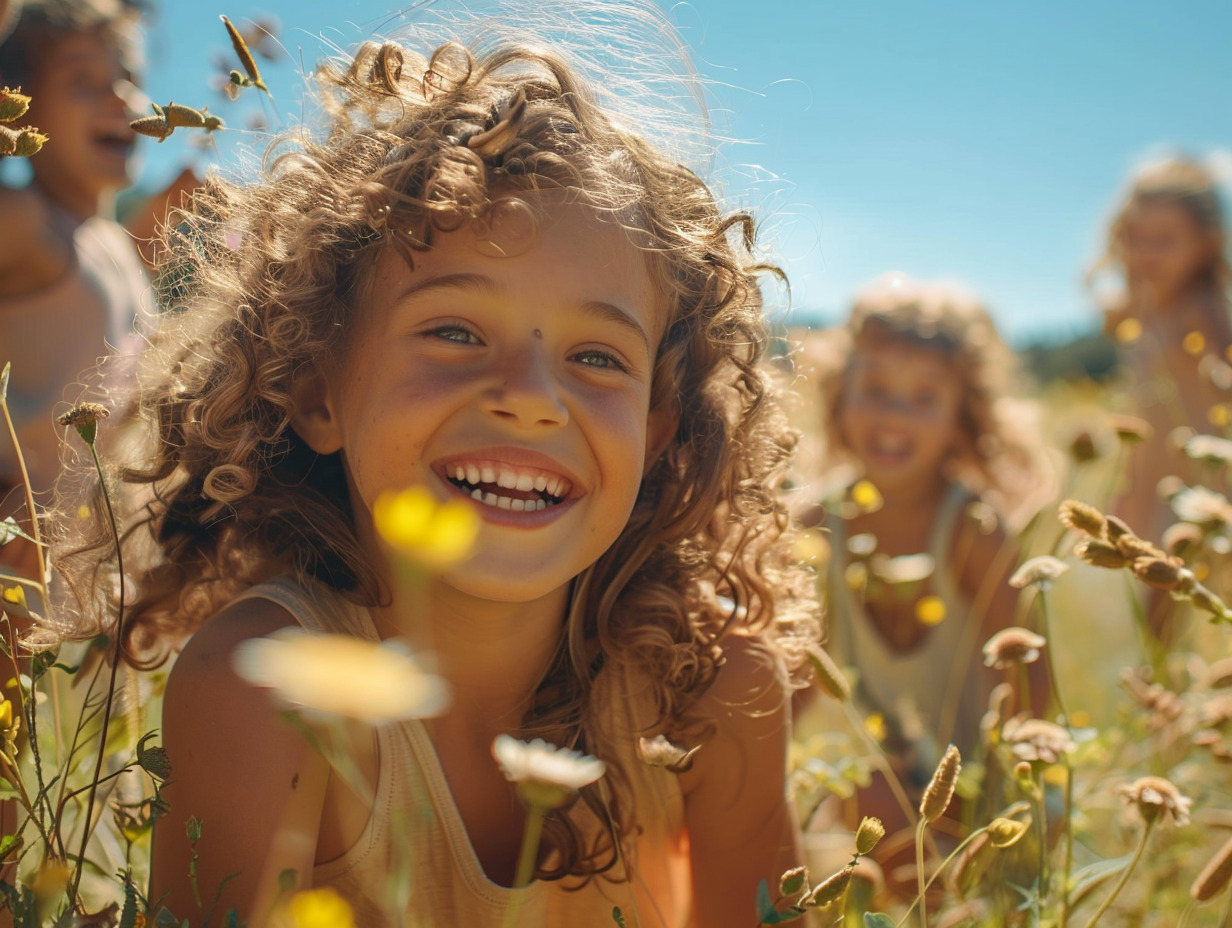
(509,487)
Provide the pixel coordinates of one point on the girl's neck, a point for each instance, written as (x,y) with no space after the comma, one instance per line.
(493,654)
(926,494)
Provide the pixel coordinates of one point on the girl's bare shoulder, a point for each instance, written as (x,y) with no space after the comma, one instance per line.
(204,672)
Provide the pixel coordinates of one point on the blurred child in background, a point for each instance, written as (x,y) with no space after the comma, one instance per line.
(71,280)
(1169,315)
(915,393)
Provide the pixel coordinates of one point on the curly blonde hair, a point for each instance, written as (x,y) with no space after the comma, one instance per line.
(261,286)
(998,453)
(1183,182)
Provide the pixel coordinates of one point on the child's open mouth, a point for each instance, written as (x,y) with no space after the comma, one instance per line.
(507,487)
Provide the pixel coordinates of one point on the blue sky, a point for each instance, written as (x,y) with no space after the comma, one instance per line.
(974,140)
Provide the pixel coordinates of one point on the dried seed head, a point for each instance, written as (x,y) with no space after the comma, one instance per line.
(245,56)
(1005,832)
(8,140)
(1041,570)
(1134,547)
(871,831)
(1131,429)
(1163,573)
(1155,697)
(660,752)
(29,142)
(1202,507)
(178,115)
(1035,740)
(1204,599)
(827,675)
(1214,876)
(13,104)
(1219,673)
(155,127)
(1012,646)
(1082,517)
(941,788)
(1100,554)
(829,890)
(1209,449)
(1181,537)
(1156,796)
(84,418)
(793,881)
(1082,447)
(1116,528)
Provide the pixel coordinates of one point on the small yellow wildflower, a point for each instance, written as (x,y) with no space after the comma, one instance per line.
(1219,416)
(1194,343)
(15,595)
(866,496)
(1128,330)
(1005,832)
(423,530)
(875,727)
(930,610)
(319,908)
(812,548)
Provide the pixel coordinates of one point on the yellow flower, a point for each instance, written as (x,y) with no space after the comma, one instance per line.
(930,610)
(875,727)
(423,530)
(866,496)
(1219,416)
(1194,343)
(1128,330)
(15,595)
(342,675)
(812,548)
(1005,832)
(319,908)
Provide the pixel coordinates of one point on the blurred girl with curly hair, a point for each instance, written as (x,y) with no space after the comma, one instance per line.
(938,459)
(477,281)
(1169,314)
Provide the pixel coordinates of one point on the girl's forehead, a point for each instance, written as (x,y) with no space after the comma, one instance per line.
(900,358)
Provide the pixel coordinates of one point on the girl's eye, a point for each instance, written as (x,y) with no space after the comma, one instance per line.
(454,333)
(595,357)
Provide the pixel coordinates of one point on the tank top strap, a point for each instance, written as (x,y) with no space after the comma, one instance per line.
(315,606)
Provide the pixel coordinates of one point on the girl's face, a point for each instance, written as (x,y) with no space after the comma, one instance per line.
(1165,249)
(81,96)
(900,414)
(511,368)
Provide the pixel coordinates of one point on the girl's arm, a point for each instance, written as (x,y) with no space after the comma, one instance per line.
(742,829)
(242,771)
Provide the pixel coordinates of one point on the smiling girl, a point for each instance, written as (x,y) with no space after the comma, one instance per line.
(917,580)
(1170,317)
(476,282)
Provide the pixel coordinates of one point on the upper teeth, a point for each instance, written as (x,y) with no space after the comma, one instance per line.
(510,478)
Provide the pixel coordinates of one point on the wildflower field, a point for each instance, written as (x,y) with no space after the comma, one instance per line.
(1115,809)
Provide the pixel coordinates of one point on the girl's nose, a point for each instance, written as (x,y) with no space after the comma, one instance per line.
(527,394)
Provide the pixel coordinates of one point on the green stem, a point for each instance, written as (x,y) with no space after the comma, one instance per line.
(111,685)
(919,871)
(1041,815)
(1048,661)
(529,853)
(1063,915)
(1116,890)
(25,483)
(936,873)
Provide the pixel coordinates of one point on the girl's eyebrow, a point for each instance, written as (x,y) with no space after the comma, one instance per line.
(478,282)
